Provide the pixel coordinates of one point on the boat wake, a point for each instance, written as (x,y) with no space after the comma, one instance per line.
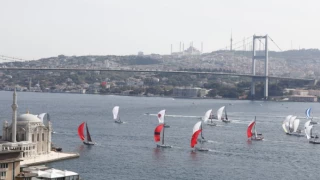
(179,116)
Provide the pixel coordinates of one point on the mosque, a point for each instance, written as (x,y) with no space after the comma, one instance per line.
(27,133)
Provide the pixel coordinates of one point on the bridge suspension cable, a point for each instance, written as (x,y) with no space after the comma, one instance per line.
(274,43)
(10,59)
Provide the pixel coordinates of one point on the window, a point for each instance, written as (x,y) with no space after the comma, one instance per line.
(3,174)
(42,136)
(22,137)
(37,137)
(4,165)
(32,137)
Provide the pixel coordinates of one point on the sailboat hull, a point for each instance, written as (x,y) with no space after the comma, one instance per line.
(295,134)
(119,122)
(314,142)
(201,149)
(257,138)
(226,121)
(88,143)
(163,146)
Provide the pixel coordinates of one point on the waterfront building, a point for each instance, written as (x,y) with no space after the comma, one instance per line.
(27,133)
(43,172)
(301,98)
(188,92)
(9,164)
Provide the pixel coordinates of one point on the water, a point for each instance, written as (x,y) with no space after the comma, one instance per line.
(127,151)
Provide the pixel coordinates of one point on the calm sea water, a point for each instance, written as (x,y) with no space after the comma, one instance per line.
(127,151)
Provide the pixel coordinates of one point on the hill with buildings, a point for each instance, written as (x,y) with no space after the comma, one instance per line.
(296,63)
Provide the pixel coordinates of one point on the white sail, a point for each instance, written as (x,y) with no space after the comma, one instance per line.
(286,121)
(161,115)
(115,112)
(291,122)
(307,124)
(196,127)
(284,128)
(308,131)
(207,115)
(296,123)
(285,124)
(41,116)
(219,112)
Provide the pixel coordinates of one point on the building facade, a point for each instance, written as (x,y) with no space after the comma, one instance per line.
(26,133)
(188,92)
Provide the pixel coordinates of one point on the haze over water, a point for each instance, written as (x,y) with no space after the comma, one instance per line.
(127,151)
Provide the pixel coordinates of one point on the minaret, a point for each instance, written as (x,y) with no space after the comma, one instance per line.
(231,42)
(14,116)
(30,84)
(49,137)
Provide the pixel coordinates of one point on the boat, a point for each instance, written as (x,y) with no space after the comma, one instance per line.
(290,126)
(157,136)
(312,138)
(88,140)
(220,114)
(161,115)
(252,132)
(55,148)
(207,116)
(197,129)
(116,115)
(308,111)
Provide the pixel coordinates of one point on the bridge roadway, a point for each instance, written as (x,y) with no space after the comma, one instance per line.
(152,71)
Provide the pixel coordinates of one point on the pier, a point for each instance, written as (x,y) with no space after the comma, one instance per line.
(51,157)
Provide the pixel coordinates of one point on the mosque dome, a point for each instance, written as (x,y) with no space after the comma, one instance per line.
(28,118)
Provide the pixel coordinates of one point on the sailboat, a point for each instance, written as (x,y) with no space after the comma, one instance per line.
(252,132)
(157,136)
(290,126)
(116,115)
(310,137)
(197,129)
(308,111)
(88,140)
(161,115)
(220,113)
(207,116)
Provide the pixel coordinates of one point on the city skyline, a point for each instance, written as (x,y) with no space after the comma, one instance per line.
(36,29)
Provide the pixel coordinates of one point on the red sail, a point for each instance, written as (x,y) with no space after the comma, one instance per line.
(157,132)
(195,138)
(80,131)
(249,130)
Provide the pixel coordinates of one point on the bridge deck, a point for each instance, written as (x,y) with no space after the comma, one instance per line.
(151,71)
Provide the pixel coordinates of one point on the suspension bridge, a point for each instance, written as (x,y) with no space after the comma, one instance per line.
(258,53)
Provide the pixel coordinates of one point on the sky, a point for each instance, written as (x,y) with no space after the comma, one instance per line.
(33,29)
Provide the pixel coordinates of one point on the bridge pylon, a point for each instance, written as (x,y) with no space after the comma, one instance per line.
(255,57)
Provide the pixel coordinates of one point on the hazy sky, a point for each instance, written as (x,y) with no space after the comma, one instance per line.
(33,29)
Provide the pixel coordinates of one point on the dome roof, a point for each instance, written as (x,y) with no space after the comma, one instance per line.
(28,118)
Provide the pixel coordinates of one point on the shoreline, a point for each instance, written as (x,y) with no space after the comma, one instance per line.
(47,158)
(173,97)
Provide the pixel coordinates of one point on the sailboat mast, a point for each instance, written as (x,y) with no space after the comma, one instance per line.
(225,113)
(255,132)
(86,132)
(163,134)
(210,117)
(201,131)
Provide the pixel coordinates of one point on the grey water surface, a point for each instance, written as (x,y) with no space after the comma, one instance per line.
(128,151)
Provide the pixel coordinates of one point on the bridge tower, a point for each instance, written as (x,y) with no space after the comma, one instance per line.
(264,57)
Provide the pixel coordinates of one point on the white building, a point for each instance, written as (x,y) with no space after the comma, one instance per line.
(27,133)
